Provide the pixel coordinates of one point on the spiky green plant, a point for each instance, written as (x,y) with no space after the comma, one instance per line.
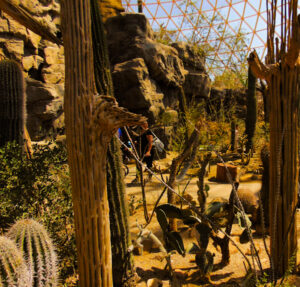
(13,269)
(35,244)
(12,102)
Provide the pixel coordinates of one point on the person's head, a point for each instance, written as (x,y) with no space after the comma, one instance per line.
(144,126)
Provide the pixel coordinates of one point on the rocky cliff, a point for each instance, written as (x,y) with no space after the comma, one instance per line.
(42,62)
(148,75)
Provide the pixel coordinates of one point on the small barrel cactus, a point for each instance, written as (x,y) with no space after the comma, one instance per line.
(13,269)
(35,244)
(12,102)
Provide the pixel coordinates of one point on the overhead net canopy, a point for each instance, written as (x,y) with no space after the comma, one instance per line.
(224,30)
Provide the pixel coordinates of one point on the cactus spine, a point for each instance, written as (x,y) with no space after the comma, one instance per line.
(36,246)
(251,110)
(12,102)
(13,269)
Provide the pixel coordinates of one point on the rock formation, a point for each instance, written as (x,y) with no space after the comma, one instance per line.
(42,62)
(147,74)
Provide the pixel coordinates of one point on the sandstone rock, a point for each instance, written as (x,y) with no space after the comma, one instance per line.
(110,8)
(33,39)
(15,28)
(130,36)
(231,101)
(3,25)
(154,282)
(135,90)
(31,62)
(13,47)
(192,59)
(54,74)
(51,55)
(44,106)
(197,85)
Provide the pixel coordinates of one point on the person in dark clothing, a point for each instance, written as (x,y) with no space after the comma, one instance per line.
(145,144)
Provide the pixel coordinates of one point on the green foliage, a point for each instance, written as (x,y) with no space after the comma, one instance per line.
(12,102)
(170,210)
(164,36)
(39,187)
(27,185)
(13,269)
(205,261)
(214,132)
(204,231)
(218,212)
(36,246)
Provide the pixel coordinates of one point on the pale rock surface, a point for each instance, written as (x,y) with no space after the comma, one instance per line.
(43,64)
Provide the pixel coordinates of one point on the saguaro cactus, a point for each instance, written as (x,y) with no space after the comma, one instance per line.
(122,261)
(13,269)
(91,122)
(281,73)
(251,110)
(12,102)
(35,244)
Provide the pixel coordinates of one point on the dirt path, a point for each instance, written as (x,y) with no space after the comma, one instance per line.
(151,265)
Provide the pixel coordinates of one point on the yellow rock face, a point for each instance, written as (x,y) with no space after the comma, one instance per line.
(110,8)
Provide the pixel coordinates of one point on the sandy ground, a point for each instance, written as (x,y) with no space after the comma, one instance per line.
(151,265)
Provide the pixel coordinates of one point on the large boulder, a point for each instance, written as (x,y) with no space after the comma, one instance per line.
(192,58)
(197,83)
(44,107)
(135,90)
(130,36)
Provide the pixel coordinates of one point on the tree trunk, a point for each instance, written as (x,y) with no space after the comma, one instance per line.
(91,121)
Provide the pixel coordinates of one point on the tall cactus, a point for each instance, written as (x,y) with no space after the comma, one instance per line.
(122,261)
(12,102)
(251,110)
(13,269)
(35,244)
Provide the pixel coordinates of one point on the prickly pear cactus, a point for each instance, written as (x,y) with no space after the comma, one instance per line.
(12,102)
(36,246)
(13,269)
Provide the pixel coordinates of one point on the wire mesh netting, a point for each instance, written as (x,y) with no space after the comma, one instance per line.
(224,30)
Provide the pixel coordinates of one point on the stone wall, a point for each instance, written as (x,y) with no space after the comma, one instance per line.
(42,62)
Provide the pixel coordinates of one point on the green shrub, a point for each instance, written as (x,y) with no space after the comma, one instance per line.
(39,187)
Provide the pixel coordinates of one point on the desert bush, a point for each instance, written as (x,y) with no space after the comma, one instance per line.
(39,187)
